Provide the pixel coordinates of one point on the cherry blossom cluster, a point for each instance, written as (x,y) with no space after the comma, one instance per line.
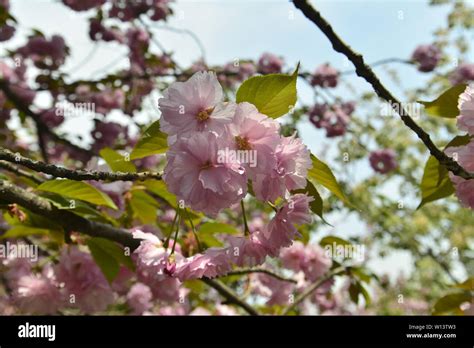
(427,57)
(383,161)
(203,133)
(464,155)
(333,118)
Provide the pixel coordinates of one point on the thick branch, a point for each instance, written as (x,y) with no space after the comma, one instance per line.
(78,175)
(14,194)
(364,71)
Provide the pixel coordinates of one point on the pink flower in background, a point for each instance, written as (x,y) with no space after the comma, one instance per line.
(52,117)
(334,119)
(256,133)
(203,179)
(139,298)
(316,264)
(38,293)
(269,63)
(277,291)
(107,100)
(325,76)
(427,57)
(247,251)
(45,54)
(194,106)
(106,134)
(465,121)
(289,173)
(225,310)
(6,32)
(83,5)
(83,280)
(463,73)
(383,161)
(97,31)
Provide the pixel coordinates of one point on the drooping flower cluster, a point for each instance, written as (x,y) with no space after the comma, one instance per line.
(427,57)
(45,53)
(462,74)
(269,63)
(383,161)
(242,250)
(464,155)
(334,119)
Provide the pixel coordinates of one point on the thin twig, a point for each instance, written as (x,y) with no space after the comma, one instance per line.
(260,270)
(313,288)
(78,174)
(20,172)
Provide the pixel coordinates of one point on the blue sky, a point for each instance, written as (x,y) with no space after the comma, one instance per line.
(233,29)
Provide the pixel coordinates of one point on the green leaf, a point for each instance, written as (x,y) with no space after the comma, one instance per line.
(317,204)
(433,186)
(322,174)
(217,227)
(451,302)
(78,207)
(158,187)
(77,190)
(116,161)
(274,95)
(333,240)
(144,206)
(468,284)
(446,105)
(206,233)
(19,231)
(435,183)
(109,266)
(152,142)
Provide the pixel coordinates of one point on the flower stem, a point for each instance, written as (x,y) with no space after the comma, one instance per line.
(167,241)
(247,231)
(194,230)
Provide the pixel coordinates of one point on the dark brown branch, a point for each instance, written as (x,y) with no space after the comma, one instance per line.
(225,291)
(42,128)
(78,174)
(260,270)
(20,172)
(364,71)
(13,194)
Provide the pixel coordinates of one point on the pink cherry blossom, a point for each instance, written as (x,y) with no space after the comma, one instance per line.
(205,181)
(289,173)
(269,63)
(383,161)
(253,132)
(325,76)
(38,294)
(427,57)
(139,298)
(195,105)
(83,281)
(465,121)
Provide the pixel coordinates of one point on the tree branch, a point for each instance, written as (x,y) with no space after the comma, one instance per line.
(20,172)
(225,291)
(78,174)
(260,270)
(364,71)
(312,288)
(13,194)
